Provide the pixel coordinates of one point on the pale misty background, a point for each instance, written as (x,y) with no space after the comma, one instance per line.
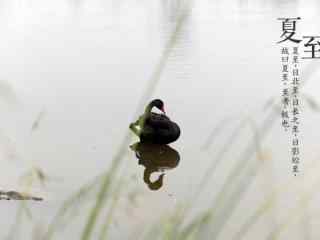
(72,73)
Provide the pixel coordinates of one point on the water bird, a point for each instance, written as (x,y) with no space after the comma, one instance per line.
(155,128)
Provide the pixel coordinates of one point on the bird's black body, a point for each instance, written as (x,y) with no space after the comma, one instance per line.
(156,128)
(159,129)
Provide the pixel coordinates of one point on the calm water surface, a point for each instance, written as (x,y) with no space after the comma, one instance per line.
(72,75)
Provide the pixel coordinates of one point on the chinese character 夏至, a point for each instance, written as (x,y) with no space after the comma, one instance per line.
(289,29)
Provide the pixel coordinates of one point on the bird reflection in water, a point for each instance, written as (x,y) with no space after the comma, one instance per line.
(155,158)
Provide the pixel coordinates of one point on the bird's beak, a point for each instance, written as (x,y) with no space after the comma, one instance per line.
(162,110)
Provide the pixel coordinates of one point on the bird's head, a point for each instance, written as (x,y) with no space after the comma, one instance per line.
(158,103)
